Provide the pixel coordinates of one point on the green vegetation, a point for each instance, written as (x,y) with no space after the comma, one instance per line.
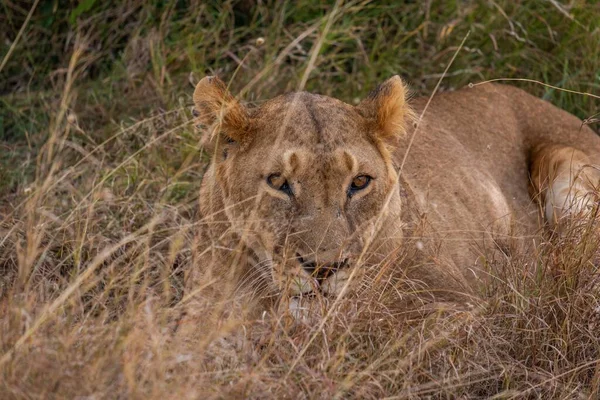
(99,175)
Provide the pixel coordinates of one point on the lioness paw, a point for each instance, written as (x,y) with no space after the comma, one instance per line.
(336,284)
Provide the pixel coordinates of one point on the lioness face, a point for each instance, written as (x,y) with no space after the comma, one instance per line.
(303,178)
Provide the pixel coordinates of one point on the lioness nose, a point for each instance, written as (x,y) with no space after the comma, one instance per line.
(321,271)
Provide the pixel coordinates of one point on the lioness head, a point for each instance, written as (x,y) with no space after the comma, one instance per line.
(303,179)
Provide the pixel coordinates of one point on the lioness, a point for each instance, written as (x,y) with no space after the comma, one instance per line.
(305,189)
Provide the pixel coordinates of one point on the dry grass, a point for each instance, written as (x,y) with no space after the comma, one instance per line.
(99,176)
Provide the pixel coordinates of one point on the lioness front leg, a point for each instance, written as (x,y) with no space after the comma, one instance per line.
(565,182)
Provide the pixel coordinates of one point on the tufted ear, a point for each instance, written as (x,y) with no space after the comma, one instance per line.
(388,108)
(215,107)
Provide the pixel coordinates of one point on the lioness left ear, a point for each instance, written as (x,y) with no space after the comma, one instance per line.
(387,107)
(215,107)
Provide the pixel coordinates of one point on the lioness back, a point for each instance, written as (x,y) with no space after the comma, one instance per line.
(469,165)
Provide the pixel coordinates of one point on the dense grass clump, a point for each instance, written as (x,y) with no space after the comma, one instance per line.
(100,168)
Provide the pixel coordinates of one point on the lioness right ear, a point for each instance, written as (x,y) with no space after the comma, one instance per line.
(215,107)
(388,108)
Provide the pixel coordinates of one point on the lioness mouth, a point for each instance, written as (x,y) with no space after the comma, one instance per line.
(321,271)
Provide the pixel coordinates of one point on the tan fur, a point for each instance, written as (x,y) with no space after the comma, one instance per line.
(464,188)
(566,181)
(387,107)
(215,106)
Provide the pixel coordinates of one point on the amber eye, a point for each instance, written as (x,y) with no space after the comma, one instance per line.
(360,182)
(276,181)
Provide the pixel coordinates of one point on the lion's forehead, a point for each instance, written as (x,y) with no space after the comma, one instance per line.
(301,119)
(316,142)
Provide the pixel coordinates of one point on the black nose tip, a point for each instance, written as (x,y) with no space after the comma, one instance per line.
(321,271)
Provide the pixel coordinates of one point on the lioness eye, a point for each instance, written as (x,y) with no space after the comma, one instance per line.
(359,182)
(276,181)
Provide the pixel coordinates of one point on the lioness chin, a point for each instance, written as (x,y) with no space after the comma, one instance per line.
(304,192)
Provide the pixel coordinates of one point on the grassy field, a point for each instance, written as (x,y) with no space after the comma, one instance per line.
(100,168)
